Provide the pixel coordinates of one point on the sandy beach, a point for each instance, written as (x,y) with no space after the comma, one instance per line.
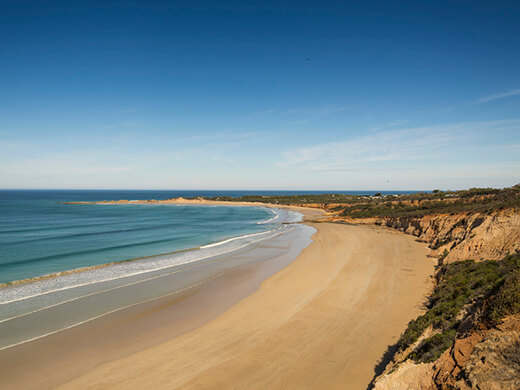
(260,195)
(321,321)
(324,321)
(184,201)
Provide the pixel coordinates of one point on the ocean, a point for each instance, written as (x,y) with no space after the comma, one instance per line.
(83,262)
(40,236)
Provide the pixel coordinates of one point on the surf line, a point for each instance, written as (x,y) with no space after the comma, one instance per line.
(276,216)
(153,269)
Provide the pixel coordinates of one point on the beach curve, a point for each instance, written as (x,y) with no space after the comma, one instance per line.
(324,321)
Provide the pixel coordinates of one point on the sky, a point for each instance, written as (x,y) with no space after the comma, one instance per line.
(351,95)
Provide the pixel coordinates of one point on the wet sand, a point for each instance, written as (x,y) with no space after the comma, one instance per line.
(322,322)
(174,303)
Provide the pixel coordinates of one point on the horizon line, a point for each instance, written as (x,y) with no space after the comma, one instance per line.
(237,190)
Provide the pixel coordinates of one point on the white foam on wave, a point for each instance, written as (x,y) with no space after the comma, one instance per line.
(174,271)
(293,217)
(120,274)
(236,238)
(130,268)
(270,220)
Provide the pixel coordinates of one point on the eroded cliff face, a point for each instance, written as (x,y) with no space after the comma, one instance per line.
(494,362)
(407,376)
(463,236)
(482,357)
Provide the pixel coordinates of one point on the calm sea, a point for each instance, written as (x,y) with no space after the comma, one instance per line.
(40,236)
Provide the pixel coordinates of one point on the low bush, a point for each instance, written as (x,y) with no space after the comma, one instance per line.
(507,299)
(459,285)
(403,205)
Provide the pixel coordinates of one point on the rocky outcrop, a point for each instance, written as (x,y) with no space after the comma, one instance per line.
(487,359)
(484,359)
(463,236)
(407,376)
(483,356)
(448,368)
(494,362)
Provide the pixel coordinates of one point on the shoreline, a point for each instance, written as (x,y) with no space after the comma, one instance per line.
(179,201)
(21,364)
(35,279)
(326,332)
(311,213)
(23,299)
(266,328)
(16,283)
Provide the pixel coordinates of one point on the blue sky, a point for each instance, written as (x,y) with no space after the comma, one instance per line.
(259,95)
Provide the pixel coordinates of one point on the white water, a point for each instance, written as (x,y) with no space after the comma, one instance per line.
(35,310)
(111,272)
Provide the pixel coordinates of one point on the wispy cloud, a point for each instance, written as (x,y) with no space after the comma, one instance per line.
(307,115)
(293,111)
(384,147)
(113,166)
(226,136)
(260,114)
(389,124)
(393,146)
(79,163)
(299,115)
(321,112)
(121,125)
(497,96)
(15,146)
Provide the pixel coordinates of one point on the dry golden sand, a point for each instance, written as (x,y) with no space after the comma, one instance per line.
(323,322)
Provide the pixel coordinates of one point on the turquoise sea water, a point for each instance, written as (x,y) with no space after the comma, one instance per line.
(39,236)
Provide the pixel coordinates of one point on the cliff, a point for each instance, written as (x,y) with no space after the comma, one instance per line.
(473,316)
(469,335)
(461,236)
(485,358)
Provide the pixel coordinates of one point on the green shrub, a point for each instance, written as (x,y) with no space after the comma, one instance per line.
(461,284)
(433,347)
(507,299)
(362,206)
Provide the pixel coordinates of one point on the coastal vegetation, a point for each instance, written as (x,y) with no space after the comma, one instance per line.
(492,286)
(481,200)
(475,237)
(489,287)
